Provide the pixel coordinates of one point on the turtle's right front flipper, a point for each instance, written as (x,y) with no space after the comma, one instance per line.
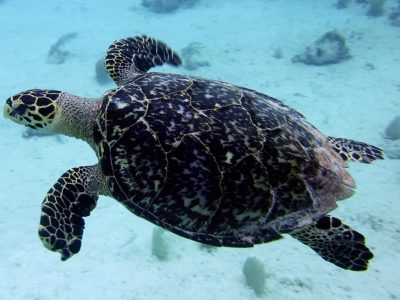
(129,57)
(70,199)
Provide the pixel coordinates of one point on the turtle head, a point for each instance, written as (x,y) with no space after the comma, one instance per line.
(54,111)
(36,109)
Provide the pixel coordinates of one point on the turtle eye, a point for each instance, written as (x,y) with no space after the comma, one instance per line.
(21,109)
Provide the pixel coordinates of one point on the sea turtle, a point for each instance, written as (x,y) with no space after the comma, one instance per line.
(210,161)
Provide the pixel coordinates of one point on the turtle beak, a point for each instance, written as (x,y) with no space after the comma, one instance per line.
(8,111)
(14,112)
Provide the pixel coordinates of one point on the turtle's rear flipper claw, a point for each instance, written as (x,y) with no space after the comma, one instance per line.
(355,151)
(337,243)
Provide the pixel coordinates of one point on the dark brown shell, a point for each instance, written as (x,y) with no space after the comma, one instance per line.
(210,161)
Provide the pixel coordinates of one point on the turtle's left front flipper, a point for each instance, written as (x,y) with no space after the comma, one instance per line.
(337,243)
(70,199)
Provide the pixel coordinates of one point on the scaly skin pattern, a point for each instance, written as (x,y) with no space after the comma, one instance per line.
(337,243)
(130,56)
(72,197)
(34,108)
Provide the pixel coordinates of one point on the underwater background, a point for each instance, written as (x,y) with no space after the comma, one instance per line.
(337,62)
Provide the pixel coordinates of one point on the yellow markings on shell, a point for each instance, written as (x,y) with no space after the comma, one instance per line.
(176,143)
(228,157)
(157,184)
(121,105)
(100,150)
(123,162)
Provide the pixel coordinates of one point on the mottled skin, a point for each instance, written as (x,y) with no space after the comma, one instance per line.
(210,161)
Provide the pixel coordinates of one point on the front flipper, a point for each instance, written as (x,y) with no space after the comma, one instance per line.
(337,243)
(71,198)
(129,57)
(355,151)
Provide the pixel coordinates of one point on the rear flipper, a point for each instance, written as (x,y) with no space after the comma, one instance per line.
(355,151)
(337,243)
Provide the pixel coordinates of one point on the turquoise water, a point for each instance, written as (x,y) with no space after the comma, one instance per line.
(249,43)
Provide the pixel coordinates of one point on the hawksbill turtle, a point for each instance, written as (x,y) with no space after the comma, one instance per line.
(217,163)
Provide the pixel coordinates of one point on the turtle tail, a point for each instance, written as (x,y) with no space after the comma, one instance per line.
(350,150)
(337,243)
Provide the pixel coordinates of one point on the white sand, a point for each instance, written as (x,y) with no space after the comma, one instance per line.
(115,262)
